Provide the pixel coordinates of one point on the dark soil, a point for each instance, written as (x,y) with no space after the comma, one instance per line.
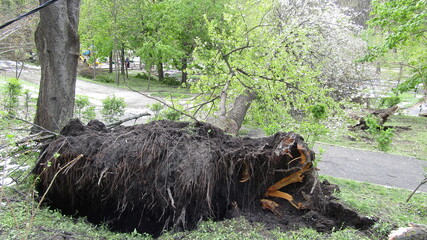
(172,175)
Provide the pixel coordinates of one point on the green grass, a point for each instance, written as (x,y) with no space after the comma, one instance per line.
(410,137)
(388,204)
(138,81)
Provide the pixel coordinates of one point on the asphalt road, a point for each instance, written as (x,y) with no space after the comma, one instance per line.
(374,167)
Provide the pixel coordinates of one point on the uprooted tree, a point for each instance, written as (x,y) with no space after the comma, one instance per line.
(172,175)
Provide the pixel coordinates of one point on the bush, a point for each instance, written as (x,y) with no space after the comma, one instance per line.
(171,81)
(318,111)
(82,108)
(105,78)
(11,96)
(384,137)
(390,101)
(86,73)
(172,115)
(113,108)
(143,76)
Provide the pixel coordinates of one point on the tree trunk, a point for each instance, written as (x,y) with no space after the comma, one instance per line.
(160,72)
(184,75)
(122,59)
(110,63)
(237,114)
(58,46)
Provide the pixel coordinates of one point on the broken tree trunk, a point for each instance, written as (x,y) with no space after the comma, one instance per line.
(381,114)
(172,175)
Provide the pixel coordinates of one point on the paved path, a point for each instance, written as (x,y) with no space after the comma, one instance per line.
(374,167)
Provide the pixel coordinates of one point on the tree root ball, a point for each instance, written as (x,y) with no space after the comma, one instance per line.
(171,175)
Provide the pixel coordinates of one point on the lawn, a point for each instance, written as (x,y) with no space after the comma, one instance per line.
(21,218)
(140,81)
(410,137)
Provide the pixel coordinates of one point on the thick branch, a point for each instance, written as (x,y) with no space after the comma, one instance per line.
(111,125)
(270,79)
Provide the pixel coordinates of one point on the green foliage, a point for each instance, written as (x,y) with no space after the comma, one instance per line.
(384,137)
(390,101)
(113,108)
(156,108)
(142,76)
(161,113)
(172,114)
(247,53)
(105,78)
(318,111)
(403,24)
(12,92)
(83,109)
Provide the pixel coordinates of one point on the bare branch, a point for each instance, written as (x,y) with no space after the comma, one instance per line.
(163,102)
(270,79)
(33,124)
(111,125)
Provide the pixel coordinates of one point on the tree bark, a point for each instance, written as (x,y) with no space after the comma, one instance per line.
(184,75)
(160,72)
(237,114)
(110,63)
(122,58)
(58,47)
(241,106)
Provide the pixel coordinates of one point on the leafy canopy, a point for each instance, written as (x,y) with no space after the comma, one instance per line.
(404,25)
(253,51)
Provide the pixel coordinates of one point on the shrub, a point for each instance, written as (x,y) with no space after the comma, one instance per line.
(384,137)
(11,96)
(172,114)
(318,111)
(83,109)
(113,108)
(156,108)
(105,78)
(390,101)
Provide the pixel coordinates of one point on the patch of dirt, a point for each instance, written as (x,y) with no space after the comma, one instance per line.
(172,175)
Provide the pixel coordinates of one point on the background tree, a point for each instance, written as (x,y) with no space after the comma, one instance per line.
(403,24)
(58,48)
(14,44)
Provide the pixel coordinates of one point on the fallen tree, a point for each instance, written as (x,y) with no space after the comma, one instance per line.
(172,175)
(382,116)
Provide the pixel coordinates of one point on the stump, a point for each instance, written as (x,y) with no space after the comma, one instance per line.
(171,175)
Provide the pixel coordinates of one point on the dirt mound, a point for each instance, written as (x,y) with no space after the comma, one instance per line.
(172,175)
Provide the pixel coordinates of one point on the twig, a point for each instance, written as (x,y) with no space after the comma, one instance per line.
(111,125)
(35,137)
(33,124)
(419,185)
(11,208)
(164,103)
(72,162)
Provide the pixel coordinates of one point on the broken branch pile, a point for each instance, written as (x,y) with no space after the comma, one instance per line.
(172,175)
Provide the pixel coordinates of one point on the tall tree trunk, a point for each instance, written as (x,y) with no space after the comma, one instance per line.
(122,59)
(184,75)
(110,62)
(58,47)
(160,72)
